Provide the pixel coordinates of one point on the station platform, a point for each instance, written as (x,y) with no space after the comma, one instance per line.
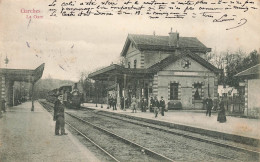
(235,127)
(29,136)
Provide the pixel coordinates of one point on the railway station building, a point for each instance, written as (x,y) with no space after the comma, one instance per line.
(170,66)
(250,81)
(9,76)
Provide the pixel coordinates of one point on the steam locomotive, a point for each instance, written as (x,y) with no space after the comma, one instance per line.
(71,96)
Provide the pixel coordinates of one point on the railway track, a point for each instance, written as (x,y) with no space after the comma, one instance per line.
(116,147)
(226,152)
(239,147)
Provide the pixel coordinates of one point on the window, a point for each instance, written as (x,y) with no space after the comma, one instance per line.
(128,65)
(135,61)
(174,91)
(198,91)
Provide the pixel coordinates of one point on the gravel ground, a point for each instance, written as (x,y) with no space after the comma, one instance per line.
(117,148)
(96,151)
(176,147)
(173,146)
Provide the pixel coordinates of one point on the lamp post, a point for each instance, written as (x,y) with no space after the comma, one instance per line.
(96,95)
(124,91)
(101,94)
(13,94)
(6,61)
(208,85)
(22,93)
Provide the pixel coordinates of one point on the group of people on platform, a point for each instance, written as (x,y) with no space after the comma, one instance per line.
(157,106)
(112,102)
(221,110)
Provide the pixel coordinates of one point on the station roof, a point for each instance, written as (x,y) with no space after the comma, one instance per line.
(24,75)
(117,70)
(253,72)
(161,43)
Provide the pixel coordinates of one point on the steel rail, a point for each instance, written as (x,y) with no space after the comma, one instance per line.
(190,137)
(168,131)
(82,134)
(222,144)
(47,106)
(146,150)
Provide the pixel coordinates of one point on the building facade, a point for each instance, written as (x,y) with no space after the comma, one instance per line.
(169,66)
(251,80)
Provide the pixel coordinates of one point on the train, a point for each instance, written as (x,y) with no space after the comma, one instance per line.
(72,97)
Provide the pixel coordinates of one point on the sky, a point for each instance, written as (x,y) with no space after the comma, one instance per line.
(71,45)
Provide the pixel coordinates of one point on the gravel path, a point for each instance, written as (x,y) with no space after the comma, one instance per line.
(173,146)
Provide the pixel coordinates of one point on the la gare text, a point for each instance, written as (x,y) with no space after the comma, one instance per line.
(35,13)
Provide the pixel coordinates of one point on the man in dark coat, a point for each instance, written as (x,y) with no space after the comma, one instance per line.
(209,105)
(142,104)
(156,105)
(59,116)
(162,106)
(110,100)
(3,105)
(151,104)
(122,102)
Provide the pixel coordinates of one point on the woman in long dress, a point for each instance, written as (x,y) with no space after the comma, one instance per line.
(221,114)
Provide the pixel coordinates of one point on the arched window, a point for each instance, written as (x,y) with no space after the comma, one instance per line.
(129,65)
(198,91)
(174,91)
(135,62)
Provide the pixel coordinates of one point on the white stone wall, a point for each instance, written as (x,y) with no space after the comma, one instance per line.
(131,55)
(151,58)
(186,77)
(253,100)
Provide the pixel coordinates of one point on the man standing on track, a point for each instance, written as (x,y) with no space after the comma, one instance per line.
(59,116)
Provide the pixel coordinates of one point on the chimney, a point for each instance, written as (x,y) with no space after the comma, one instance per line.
(75,86)
(174,39)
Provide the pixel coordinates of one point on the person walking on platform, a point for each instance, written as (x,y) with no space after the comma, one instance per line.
(134,104)
(151,104)
(3,105)
(114,103)
(221,113)
(156,105)
(209,105)
(145,104)
(110,100)
(162,106)
(59,116)
(122,103)
(142,104)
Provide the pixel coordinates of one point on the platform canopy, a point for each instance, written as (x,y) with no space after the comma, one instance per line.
(23,75)
(119,72)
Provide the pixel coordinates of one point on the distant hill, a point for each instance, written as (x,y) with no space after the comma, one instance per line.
(45,85)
